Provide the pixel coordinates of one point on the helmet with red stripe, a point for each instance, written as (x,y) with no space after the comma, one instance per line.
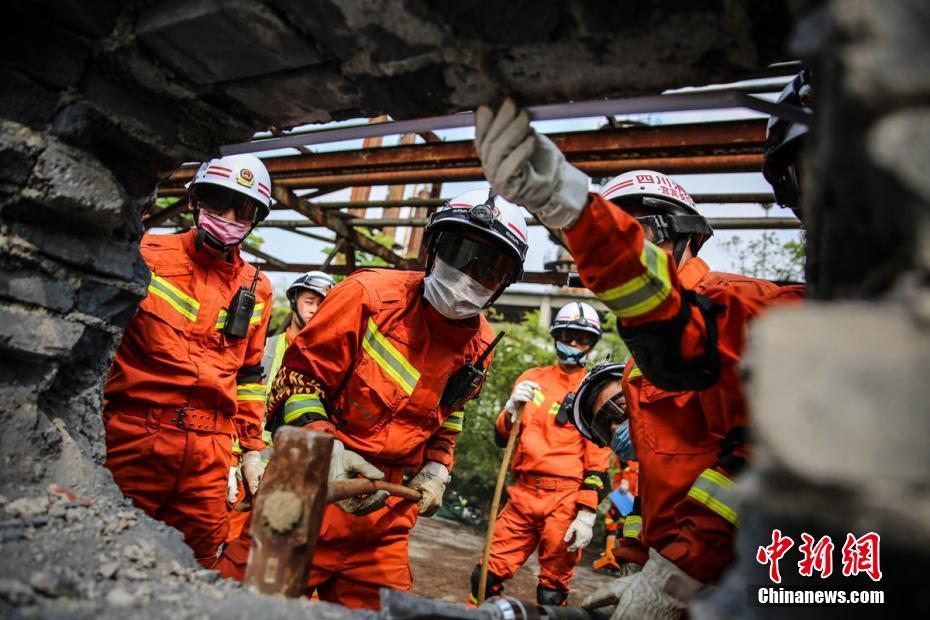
(243,174)
(664,208)
(482,235)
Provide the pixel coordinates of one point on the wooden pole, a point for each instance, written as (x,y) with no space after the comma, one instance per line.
(496,502)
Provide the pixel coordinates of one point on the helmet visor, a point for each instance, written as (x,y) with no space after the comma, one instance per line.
(485,264)
(655,228)
(220,200)
(569,335)
(607,417)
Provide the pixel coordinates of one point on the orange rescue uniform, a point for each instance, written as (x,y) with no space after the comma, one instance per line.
(689,444)
(180,390)
(370,368)
(557,472)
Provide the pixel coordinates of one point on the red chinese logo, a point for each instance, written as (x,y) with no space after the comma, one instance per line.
(817,556)
(773,553)
(860,555)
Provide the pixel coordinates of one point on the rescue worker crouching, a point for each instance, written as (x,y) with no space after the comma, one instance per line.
(380,368)
(635,245)
(187,379)
(559,474)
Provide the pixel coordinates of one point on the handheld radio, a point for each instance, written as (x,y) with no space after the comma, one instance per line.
(240,310)
(466,380)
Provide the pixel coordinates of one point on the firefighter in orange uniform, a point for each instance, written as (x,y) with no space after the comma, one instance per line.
(305,294)
(381,367)
(558,473)
(635,245)
(187,378)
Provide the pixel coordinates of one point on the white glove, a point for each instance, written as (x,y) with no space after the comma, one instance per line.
(527,168)
(431,482)
(629,568)
(521,395)
(661,590)
(345,465)
(232,486)
(250,462)
(581,530)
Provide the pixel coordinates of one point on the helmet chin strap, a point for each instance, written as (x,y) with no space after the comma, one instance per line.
(681,243)
(295,316)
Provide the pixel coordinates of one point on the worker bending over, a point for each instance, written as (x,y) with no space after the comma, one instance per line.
(386,366)
(187,378)
(559,474)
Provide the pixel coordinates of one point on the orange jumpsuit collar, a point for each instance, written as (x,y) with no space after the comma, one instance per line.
(693,272)
(230,263)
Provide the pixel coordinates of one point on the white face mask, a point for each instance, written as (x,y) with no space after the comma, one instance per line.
(453,294)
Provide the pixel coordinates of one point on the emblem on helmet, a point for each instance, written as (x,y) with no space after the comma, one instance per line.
(245,177)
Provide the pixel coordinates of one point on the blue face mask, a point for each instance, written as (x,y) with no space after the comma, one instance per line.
(570,354)
(621,444)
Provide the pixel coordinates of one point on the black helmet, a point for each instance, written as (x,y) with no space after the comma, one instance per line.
(783,141)
(595,425)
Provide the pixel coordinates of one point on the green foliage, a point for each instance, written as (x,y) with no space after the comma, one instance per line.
(526,345)
(767,257)
(280,314)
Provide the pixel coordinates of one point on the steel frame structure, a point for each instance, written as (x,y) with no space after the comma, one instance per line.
(297,180)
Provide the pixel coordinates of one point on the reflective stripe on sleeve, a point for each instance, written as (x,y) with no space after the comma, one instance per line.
(594,480)
(632,526)
(715,491)
(646,291)
(454,422)
(250,391)
(177,299)
(391,361)
(303,404)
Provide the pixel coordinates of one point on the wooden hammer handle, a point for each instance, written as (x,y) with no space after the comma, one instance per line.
(344,489)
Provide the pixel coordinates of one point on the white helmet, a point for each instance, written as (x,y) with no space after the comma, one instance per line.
(245,174)
(489,215)
(577,315)
(672,204)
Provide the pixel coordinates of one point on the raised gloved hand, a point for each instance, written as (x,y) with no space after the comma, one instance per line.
(345,465)
(581,529)
(521,395)
(661,590)
(527,168)
(250,463)
(431,482)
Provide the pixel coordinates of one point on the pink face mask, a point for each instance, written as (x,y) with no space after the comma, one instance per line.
(226,232)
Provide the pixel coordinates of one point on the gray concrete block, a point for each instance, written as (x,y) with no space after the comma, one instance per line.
(208,41)
(67,180)
(31,334)
(840,393)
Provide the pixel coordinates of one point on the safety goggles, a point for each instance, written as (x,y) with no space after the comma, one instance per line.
(220,200)
(610,414)
(568,336)
(655,228)
(487,265)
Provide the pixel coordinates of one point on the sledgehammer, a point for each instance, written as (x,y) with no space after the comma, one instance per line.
(288,512)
